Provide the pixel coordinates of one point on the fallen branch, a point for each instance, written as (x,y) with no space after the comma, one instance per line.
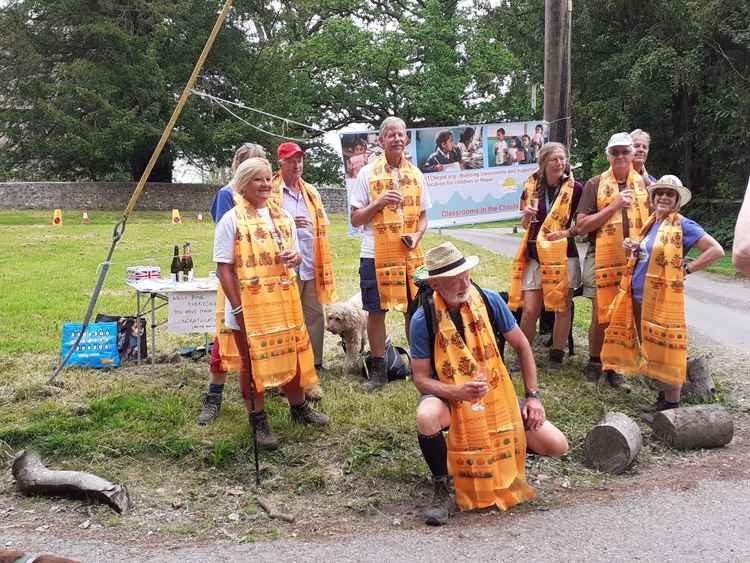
(266,505)
(34,478)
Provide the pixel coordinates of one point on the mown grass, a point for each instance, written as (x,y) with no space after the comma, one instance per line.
(138,423)
(722,266)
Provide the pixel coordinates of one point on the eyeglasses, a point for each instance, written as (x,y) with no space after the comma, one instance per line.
(619,152)
(667,192)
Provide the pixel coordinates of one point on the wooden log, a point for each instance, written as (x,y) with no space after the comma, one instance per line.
(613,444)
(699,385)
(700,426)
(34,478)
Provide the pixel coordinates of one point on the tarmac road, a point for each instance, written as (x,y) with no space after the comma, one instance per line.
(716,307)
(707,523)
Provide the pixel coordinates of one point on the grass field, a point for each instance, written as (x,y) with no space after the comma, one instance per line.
(137,424)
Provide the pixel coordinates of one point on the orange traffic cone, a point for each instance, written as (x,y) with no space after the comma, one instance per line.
(200,217)
(85,218)
(176,219)
(57,218)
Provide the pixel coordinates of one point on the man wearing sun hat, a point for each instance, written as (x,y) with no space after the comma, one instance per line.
(464,385)
(613,206)
(317,283)
(647,332)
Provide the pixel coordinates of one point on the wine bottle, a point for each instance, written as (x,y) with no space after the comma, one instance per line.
(187,258)
(176,267)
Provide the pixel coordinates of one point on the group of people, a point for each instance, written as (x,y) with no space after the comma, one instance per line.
(517,149)
(449,155)
(274,265)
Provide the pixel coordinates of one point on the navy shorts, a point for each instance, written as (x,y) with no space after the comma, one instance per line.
(368,285)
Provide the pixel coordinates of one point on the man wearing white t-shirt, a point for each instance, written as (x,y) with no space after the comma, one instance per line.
(390,195)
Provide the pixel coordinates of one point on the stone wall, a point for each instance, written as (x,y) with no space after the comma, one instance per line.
(115,196)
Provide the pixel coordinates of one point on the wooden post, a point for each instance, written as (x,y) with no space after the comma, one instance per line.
(557,26)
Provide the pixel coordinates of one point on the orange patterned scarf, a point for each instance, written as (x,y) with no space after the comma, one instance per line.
(394,262)
(277,336)
(325,280)
(486,449)
(610,262)
(553,255)
(663,351)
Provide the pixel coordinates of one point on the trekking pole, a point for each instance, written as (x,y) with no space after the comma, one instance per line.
(244,349)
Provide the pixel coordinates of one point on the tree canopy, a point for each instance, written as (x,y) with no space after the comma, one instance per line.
(86,86)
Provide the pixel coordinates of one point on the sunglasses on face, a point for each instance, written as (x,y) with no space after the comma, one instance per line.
(669,193)
(619,152)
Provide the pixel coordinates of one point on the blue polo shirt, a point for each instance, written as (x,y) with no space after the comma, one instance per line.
(223,202)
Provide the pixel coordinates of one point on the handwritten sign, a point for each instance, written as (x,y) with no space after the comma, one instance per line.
(191,311)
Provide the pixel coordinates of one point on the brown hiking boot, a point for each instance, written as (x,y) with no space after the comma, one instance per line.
(442,505)
(304,414)
(555,361)
(267,440)
(211,408)
(617,381)
(592,371)
(314,393)
(377,376)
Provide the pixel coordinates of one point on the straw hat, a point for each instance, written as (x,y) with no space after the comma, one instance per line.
(445,260)
(673,183)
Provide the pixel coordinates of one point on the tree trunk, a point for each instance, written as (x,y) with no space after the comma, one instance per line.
(701,426)
(699,385)
(613,444)
(34,478)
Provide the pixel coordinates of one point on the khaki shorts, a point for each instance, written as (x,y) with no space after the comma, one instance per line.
(589,266)
(532,276)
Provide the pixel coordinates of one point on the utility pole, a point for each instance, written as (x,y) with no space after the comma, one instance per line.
(557,25)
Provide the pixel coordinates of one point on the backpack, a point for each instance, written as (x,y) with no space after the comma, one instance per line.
(395,365)
(424,299)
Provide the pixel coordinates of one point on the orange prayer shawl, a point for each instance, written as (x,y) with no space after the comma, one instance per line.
(486,449)
(325,280)
(277,336)
(610,262)
(553,255)
(663,350)
(394,262)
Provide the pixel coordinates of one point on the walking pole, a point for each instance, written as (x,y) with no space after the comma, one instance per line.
(244,349)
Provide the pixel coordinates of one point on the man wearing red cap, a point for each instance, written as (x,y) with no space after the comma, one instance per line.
(317,284)
(390,200)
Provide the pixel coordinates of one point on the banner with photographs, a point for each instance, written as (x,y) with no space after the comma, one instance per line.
(475,173)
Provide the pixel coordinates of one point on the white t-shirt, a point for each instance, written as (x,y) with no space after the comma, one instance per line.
(359,197)
(225,236)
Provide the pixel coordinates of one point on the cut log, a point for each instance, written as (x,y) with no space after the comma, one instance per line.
(34,478)
(699,385)
(700,426)
(613,444)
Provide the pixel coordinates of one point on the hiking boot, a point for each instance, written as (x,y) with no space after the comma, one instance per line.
(662,404)
(304,414)
(555,361)
(592,371)
(442,506)
(314,393)
(377,378)
(617,381)
(267,440)
(211,408)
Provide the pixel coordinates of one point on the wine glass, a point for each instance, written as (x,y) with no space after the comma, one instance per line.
(481,376)
(534,202)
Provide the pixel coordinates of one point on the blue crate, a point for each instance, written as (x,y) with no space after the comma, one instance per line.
(97,349)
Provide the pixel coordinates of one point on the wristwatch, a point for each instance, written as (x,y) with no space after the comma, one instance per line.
(533,394)
(685,267)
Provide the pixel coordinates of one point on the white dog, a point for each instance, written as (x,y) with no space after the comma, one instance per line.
(348,320)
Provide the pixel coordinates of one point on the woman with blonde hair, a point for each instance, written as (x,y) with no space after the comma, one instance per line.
(256,251)
(547,268)
(647,330)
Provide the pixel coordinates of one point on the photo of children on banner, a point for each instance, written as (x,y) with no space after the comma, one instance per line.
(470,143)
(511,144)
(359,149)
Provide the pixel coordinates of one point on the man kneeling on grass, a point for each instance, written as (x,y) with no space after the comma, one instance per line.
(466,387)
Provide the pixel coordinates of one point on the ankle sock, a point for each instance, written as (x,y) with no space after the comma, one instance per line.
(595,360)
(216,388)
(556,355)
(435,453)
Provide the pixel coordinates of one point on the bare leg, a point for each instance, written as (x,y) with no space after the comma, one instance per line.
(532,308)
(562,326)
(376,333)
(596,332)
(432,416)
(547,441)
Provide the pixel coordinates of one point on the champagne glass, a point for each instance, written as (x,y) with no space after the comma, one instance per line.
(481,376)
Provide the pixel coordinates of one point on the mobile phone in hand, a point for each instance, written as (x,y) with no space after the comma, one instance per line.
(408,241)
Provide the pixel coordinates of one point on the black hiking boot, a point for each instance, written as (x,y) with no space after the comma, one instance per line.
(304,414)
(617,381)
(593,372)
(211,408)
(267,440)
(555,361)
(377,377)
(442,506)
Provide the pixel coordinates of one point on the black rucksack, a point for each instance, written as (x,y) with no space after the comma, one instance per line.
(395,365)
(424,299)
